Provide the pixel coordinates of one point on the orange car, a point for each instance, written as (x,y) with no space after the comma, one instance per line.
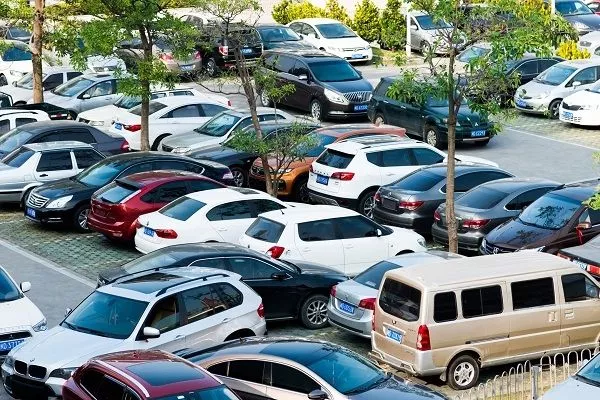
(293,182)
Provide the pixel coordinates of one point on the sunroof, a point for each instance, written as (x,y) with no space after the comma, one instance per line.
(150,283)
(160,373)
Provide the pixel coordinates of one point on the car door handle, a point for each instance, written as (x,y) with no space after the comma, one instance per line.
(226,320)
(43,175)
(552,316)
(178,336)
(569,314)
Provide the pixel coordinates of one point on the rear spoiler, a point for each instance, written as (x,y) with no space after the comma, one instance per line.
(54,112)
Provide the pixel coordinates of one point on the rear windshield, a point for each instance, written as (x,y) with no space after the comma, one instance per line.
(153,107)
(265,230)
(372,277)
(482,198)
(182,208)
(18,157)
(335,159)
(400,300)
(418,181)
(116,192)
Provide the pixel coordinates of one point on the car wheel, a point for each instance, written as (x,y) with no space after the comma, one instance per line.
(301,191)
(211,68)
(316,110)
(239,177)
(3,81)
(265,101)
(553,108)
(425,47)
(379,119)
(367,203)
(431,136)
(80,218)
(314,312)
(463,373)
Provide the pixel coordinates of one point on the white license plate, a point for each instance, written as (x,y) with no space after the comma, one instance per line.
(581,264)
(347,308)
(148,231)
(187,67)
(477,133)
(118,126)
(30,212)
(322,179)
(361,107)
(357,56)
(11,344)
(394,335)
(521,103)
(567,115)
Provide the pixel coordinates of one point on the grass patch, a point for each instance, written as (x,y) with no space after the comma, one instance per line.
(385,57)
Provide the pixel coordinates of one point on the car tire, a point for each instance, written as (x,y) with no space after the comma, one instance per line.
(211,68)
(156,142)
(265,101)
(80,218)
(316,110)
(463,372)
(313,312)
(300,192)
(3,81)
(240,177)
(431,136)
(425,47)
(366,203)
(379,119)
(554,108)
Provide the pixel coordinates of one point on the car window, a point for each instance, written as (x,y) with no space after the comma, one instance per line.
(24,121)
(4,126)
(115,192)
(356,227)
(532,293)
(86,158)
(53,81)
(444,307)
(335,159)
(217,262)
(269,117)
(210,110)
(299,69)
(134,169)
(382,88)
(166,193)
(229,211)
(466,182)
(525,199)
(288,378)
(100,386)
(187,111)
(219,369)
(397,158)
(250,268)
(198,185)
(265,230)
(481,197)
(264,205)
(591,216)
(481,301)
(427,157)
(586,76)
(528,68)
(55,161)
(71,75)
(101,89)
(546,63)
(182,208)
(400,300)
(578,287)
(315,231)
(165,315)
(247,370)
(419,181)
(18,157)
(78,135)
(208,300)
(285,64)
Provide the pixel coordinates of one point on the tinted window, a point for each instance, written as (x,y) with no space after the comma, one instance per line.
(265,230)
(101,386)
(591,216)
(427,157)
(142,167)
(250,268)
(182,208)
(289,378)
(551,211)
(482,198)
(24,121)
(178,166)
(525,199)
(400,300)
(481,301)
(397,158)
(4,126)
(578,287)
(586,76)
(419,181)
(467,182)
(86,158)
(203,302)
(188,111)
(71,75)
(154,106)
(247,370)
(210,110)
(115,192)
(356,227)
(165,315)
(335,159)
(285,64)
(198,185)
(382,88)
(444,307)
(227,211)
(18,157)
(8,290)
(166,193)
(263,205)
(528,68)
(546,63)
(532,293)
(79,135)
(315,231)
(55,161)
(101,89)
(101,174)
(219,369)
(53,81)
(373,275)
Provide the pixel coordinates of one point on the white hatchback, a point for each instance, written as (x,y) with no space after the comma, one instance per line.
(582,108)
(216,215)
(333,236)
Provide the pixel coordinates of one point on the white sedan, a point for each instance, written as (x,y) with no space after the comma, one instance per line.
(582,108)
(216,215)
(168,116)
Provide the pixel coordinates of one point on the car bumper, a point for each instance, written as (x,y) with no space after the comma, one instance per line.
(22,387)
(145,246)
(532,106)
(11,197)
(351,110)
(466,241)
(580,117)
(360,327)
(118,230)
(258,182)
(415,222)
(185,68)
(49,215)
(422,365)
(361,55)
(321,198)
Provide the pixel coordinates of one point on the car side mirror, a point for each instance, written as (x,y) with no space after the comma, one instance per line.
(303,77)
(583,226)
(575,84)
(414,28)
(378,232)
(25,287)
(68,311)
(86,96)
(279,276)
(14,83)
(150,332)
(318,394)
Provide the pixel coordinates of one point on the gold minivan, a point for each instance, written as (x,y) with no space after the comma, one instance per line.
(451,318)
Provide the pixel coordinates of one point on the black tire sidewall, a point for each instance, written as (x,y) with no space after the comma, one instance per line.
(304,308)
(244,174)
(452,366)
(550,108)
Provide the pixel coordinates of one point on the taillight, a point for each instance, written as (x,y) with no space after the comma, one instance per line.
(333,291)
(197,56)
(166,56)
(138,224)
(377,197)
(275,251)
(166,233)
(229,103)
(367,304)
(124,146)
(561,255)
(423,340)
(593,269)
(343,176)
(475,223)
(410,205)
(224,50)
(133,128)
(437,216)
(261,310)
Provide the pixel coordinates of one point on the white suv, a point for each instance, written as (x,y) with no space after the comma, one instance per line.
(349,172)
(334,236)
(168,310)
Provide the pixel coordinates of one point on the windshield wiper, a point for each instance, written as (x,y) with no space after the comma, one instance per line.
(70,326)
(370,385)
(92,331)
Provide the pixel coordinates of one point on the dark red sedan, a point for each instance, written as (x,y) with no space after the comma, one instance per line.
(116,206)
(140,375)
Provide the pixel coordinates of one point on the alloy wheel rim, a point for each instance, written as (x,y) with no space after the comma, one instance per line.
(210,67)
(379,120)
(316,312)
(431,137)
(554,109)
(315,110)
(368,207)
(238,178)
(464,374)
(264,99)
(82,218)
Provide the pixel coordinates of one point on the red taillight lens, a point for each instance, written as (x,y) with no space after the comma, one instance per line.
(261,310)
(367,304)
(423,340)
(343,176)
(166,233)
(410,205)
(377,197)
(561,255)
(133,128)
(333,291)
(197,56)
(275,251)
(124,146)
(475,223)
(437,216)
(138,224)
(166,56)
(224,50)
(593,269)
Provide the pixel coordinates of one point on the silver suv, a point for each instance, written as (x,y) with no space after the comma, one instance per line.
(34,164)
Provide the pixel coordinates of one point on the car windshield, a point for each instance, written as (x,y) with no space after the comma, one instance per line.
(127,102)
(570,8)
(26,82)
(432,102)
(334,71)
(215,393)
(106,315)
(372,277)
(8,290)
(16,53)
(555,75)
(322,140)
(153,107)
(590,372)
(73,87)
(15,32)
(18,157)
(14,139)
(335,31)
(427,23)
(279,34)
(551,211)
(346,371)
(219,125)
(482,198)
(101,173)
(472,53)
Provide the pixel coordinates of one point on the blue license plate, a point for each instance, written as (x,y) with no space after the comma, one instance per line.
(11,344)
(521,103)
(361,107)
(148,231)
(567,115)
(345,307)
(30,212)
(246,51)
(394,335)
(357,56)
(322,179)
(118,126)
(187,67)
(477,133)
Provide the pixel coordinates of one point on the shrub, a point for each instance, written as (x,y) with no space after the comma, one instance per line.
(366,21)
(281,12)
(393,26)
(569,51)
(286,11)
(334,10)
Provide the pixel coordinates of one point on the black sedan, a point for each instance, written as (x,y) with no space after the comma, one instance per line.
(68,200)
(411,201)
(486,206)
(289,289)
(277,36)
(59,131)
(586,256)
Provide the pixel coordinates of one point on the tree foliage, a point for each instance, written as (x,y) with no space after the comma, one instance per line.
(366,21)
(393,26)
(288,10)
(570,51)
(334,10)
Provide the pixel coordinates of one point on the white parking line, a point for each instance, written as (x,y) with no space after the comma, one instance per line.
(48,264)
(552,139)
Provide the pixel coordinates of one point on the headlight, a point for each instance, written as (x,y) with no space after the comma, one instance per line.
(537,249)
(180,150)
(60,202)
(335,97)
(580,26)
(422,242)
(287,170)
(63,373)
(334,49)
(40,326)
(483,242)
(97,123)
(9,362)
(18,74)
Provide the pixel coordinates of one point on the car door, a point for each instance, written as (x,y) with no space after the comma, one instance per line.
(289,383)
(182,118)
(101,94)
(415,34)
(571,235)
(85,158)
(247,378)
(396,163)
(284,66)
(318,241)
(580,311)
(167,316)
(54,165)
(230,220)
(305,86)
(165,193)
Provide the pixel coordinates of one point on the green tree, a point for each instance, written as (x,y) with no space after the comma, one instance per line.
(366,21)
(393,26)
(334,10)
(281,12)
(529,28)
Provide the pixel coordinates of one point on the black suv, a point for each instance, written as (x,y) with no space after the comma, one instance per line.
(428,121)
(326,86)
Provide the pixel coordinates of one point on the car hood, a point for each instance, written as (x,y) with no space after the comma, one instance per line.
(310,268)
(56,99)
(100,113)
(346,42)
(289,45)
(587,251)
(583,97)
(398,388)
(189,139)
(572,387)
(18,313)
(359,85)
(477,160)
(21,66)
(62,347)
(216,152)
(64,187)
(515,234)
(591,20)
(533,88)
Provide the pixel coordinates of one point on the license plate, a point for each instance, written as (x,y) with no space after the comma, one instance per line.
(389,204)
(246,51)
(567,115)
(11,344)
(394,335)
(357,55)
(345,307)
(477,133)
(361,107)
(581,264)
(30,212)
(521,103)
(148,231)
(322,179)
(187,67)
(118,126)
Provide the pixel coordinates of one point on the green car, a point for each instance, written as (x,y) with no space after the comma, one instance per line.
(429,121)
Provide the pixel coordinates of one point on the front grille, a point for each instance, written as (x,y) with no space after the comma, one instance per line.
(36,371)
(167,148)
(491,249)
(14,336)
(21,367)
(35,200)
(354,49)
(570,107)
(28,388)
(358,97)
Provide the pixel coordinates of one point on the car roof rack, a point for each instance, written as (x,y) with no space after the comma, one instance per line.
(144,271)
(199,278)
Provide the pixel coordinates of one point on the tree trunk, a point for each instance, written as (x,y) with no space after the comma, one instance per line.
(145,83)
(452,113)
(36,52)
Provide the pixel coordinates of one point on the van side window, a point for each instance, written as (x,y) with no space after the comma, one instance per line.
(533,293)
(481,301)
(578,287)
(444,307)
(400,300)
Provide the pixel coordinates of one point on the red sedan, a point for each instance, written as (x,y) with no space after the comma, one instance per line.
(137,375)
(116,206)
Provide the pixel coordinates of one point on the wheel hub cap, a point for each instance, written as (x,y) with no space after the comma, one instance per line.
(463,374)
(317,312)
(82,218)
